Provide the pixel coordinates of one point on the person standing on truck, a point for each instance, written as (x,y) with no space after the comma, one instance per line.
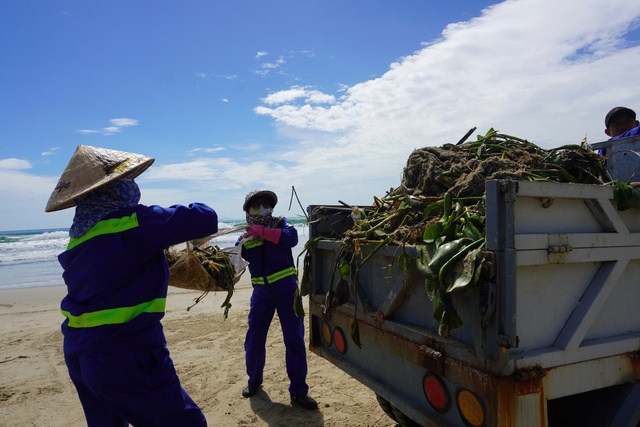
(117,277)
(267,245)
(621,122)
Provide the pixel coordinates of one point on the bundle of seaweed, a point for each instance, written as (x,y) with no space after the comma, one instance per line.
(203,269)
(460,171)
(439,208)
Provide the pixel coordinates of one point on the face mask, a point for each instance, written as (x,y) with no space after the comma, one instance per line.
(261,211)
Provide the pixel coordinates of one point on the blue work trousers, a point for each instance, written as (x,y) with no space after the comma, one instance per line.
(265,301)
(118,386)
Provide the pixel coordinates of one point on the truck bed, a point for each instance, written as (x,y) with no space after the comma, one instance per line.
(561,306)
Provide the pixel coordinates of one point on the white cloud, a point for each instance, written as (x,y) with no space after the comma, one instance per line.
(205,76)
(310,96)
(25,197)
(273,65)
(267,67)
(224,173)
(109,130)
(317,97)
(14,164)
(116,126)
(50,151)
(284,96)
(207,150)
(124,122)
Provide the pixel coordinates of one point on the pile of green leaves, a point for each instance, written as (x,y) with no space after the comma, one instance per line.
(439,208)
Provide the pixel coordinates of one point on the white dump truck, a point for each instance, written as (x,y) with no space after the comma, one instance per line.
(552,338)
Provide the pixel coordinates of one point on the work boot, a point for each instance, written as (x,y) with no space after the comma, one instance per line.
(250,391)
(304,401)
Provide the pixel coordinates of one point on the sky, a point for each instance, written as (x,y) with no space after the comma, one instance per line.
(327,98)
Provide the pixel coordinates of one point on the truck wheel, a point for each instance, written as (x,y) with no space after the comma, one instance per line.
(386,407)
(403,420)
(395,414)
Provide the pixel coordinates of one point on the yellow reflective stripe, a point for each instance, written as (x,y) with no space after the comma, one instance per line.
(281,274)
(291,271)
(114,316)
(108,226)
(253,243)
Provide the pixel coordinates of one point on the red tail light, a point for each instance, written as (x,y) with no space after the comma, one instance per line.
(339,340)
(436,392)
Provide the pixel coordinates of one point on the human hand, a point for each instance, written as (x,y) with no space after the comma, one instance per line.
(270,234)
(255,230)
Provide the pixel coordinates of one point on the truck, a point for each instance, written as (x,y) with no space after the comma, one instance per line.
(551,338)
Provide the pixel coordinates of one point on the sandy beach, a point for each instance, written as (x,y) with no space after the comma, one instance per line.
(207,350)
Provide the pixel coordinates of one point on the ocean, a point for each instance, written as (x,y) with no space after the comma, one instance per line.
(28,258)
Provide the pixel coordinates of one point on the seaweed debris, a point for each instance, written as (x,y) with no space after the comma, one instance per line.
(439,207)
(203,269)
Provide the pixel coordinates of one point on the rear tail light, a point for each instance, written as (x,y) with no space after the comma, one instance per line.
(327,338)
(436,392)
(339,340)
(470,408)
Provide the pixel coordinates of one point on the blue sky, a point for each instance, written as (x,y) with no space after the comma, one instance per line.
(329,97)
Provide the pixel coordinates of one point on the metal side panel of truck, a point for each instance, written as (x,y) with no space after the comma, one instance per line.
(553,339)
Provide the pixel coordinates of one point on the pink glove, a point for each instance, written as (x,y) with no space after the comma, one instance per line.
(254,230)
(270,234)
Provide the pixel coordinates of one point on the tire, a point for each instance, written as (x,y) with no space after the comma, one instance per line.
(402,419)
(395,414)
(386,407)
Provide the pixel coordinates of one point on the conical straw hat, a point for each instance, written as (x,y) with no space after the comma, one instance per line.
(90,168)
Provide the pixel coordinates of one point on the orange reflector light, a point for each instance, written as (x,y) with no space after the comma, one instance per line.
(436,392)
(326,334)
(470,408)
(339,340)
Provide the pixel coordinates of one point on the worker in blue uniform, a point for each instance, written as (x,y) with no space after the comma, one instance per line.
(620,122)
(116,275)
(267,245)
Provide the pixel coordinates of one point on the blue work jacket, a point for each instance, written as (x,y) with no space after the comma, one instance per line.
(631,132)
(117,274)
(270,262)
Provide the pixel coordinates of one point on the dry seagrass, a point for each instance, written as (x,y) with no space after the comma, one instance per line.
(204,270)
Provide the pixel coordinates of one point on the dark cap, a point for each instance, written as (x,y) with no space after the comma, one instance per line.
(615,112)
(259,193)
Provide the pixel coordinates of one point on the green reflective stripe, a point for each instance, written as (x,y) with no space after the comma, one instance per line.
(108,226)
(253,243)
(115,316)
(291,271)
